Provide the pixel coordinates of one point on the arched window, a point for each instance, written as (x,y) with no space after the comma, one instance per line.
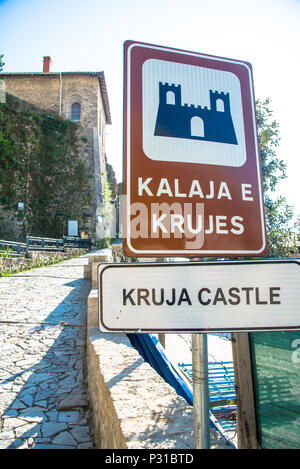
(197,127)
(170,97)
(220,105)
(75,112)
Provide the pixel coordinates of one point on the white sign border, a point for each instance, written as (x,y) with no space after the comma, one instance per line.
(103,267)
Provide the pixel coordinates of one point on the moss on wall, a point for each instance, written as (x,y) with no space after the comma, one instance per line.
(41,166)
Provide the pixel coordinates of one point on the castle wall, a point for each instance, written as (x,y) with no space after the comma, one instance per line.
(44,92)
(55,94)
(37,90)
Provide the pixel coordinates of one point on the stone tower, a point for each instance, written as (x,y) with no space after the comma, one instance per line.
(78,96)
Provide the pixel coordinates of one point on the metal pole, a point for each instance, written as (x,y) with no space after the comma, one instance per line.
(162,339)
(200,391)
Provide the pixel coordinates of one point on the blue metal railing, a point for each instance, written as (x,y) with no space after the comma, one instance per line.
(35,243)
(222,393)
(12,249)
(221,382)
(73,242)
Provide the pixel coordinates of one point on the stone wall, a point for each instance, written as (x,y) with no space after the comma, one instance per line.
(106,426)
(55,94)
(11,228)
(133,407)
(42,93)
(36,259)
(14,264)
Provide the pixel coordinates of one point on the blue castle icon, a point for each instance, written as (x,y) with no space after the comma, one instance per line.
(194,122)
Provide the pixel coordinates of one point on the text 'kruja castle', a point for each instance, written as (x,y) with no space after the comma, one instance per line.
(194,122)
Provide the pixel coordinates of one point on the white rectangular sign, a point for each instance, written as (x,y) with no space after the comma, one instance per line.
(199,296)
(72,228)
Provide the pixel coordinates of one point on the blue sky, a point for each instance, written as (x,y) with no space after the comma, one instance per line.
(88,36)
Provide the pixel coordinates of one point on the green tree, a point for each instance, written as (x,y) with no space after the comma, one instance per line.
(279,214)
(2,95)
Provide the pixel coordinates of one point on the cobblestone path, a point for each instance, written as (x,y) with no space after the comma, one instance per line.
(43,391)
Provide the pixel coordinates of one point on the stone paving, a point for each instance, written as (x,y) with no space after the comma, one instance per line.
(43,391)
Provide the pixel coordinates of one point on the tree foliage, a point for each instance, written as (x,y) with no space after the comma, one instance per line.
(279,214)
(1,63)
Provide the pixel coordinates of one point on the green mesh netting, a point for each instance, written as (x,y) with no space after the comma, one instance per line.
(276,375)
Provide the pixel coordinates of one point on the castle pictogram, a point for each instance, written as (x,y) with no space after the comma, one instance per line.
(194,122)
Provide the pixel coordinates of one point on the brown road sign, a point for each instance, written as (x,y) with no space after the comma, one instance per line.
(192,177)
(215,296)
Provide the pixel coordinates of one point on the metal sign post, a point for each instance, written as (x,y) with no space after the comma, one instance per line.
(200,392)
